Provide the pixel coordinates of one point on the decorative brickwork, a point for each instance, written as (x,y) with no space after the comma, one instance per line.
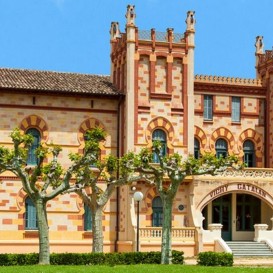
(227,135)
(164,124)
(21,196)
(88,124)
(143,80)
(227,80)
(161,75)
(177,83)
(258,141)
(201,136)
(150,195)
(37,122)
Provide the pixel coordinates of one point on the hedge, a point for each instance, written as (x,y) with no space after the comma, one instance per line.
(215,259)
(125,258)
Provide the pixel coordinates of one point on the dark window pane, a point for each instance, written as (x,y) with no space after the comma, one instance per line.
(32,158)
(30,215)
(160,135)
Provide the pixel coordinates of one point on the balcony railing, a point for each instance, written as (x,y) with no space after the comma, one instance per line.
(181,234)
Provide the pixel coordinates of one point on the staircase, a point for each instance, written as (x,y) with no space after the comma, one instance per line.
(249,249)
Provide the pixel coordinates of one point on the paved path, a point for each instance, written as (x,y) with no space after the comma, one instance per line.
(259,262)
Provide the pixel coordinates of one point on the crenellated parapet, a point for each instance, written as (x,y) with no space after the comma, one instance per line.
(267,56)
(227,80)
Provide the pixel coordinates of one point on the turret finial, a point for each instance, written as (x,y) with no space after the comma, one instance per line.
(259,45)
(114,30)
(190,21)
(130,15)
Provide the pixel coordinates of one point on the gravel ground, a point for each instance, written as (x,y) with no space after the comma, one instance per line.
(253,261)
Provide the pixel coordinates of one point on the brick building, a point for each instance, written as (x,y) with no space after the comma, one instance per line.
(152,93)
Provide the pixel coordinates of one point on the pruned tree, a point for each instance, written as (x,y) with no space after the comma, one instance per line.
(101,178)
(42,182)
(169,174)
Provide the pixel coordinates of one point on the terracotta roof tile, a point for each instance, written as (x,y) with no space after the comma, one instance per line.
(51,82)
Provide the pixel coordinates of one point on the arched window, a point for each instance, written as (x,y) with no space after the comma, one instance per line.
(87,218)
(221,148)
(249,153)
(160,135)
(32,158)
(157,212)
(196,148)
(30,215)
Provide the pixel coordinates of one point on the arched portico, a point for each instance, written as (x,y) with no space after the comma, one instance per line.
(238,187)
(237,202)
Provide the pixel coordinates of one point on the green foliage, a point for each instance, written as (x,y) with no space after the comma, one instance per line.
(177,257)
(157,145)
(111,164)
(126,258)
(145,158)
(215,259)
(96,134)
(5,155)
(53,172)
(19,138)
(19,259)
(127,164)
(74,157)
(41,152)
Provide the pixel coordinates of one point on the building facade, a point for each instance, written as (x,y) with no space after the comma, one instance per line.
(152,93)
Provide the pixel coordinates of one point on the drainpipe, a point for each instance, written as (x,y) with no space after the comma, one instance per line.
(266,133)
(118,189)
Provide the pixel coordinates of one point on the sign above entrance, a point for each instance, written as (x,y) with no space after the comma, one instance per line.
(251,188)
(238,186)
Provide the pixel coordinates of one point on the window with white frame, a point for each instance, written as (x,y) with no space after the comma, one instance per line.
(236,109)
(208,106)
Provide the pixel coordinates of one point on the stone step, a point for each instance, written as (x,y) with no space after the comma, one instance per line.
(247,249)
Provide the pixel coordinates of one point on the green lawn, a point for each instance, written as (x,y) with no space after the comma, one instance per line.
(132,269)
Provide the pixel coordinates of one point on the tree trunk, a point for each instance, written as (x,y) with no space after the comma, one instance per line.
(97,229)
(44,252)
(166,251)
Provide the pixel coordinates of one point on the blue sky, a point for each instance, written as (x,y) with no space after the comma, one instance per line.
(73,35)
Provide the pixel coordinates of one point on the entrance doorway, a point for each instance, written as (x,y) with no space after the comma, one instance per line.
(248,212)
(221,213)
(238,213)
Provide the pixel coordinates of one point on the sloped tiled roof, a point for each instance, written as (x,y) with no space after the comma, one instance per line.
(56,82)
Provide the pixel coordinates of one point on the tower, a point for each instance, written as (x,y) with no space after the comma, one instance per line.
(155,71)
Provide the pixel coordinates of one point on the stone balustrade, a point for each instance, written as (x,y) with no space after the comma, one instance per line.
(186,234)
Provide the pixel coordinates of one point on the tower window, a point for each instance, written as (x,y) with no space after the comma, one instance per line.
(160,135)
